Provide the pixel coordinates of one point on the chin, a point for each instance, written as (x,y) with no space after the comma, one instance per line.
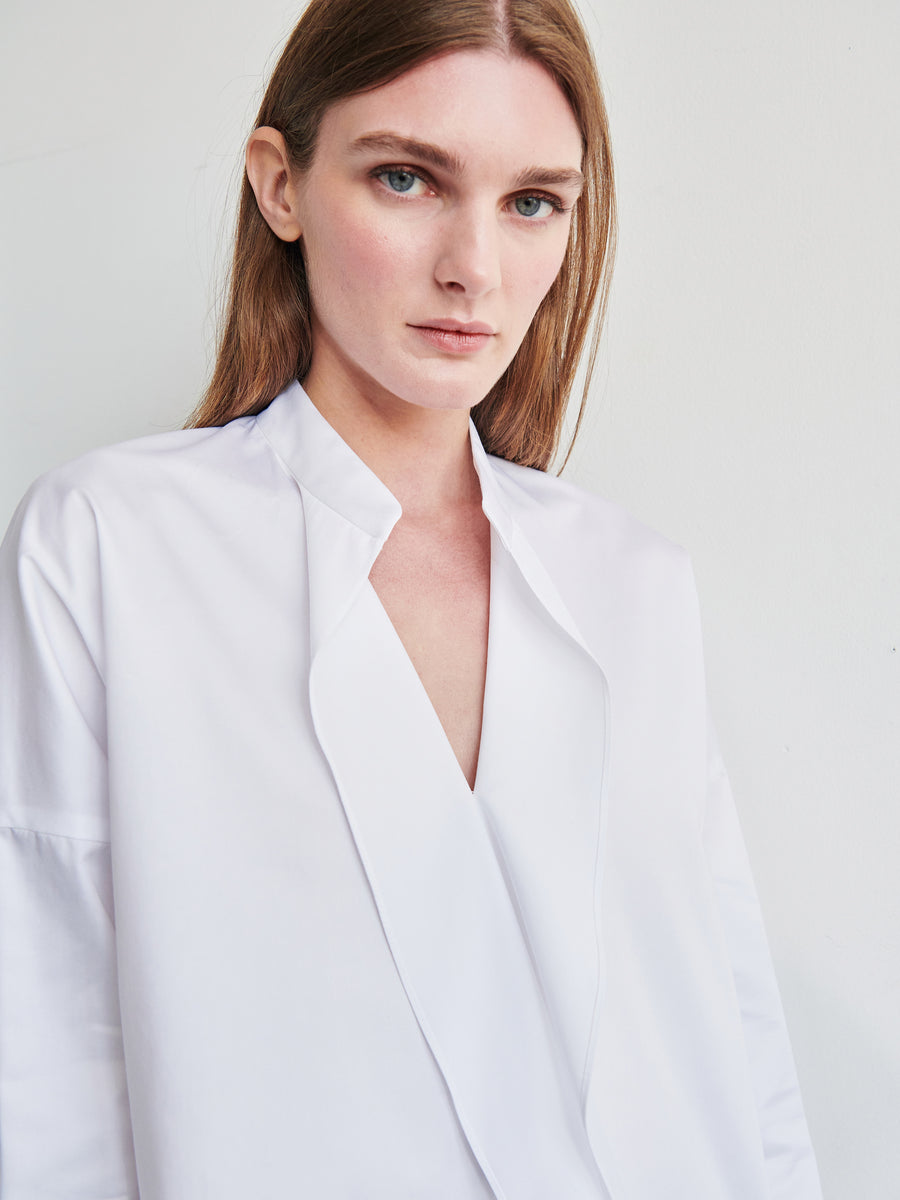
(437,395)
(451,390)
(445,401)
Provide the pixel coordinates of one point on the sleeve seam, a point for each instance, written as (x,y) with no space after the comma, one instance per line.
(44,833)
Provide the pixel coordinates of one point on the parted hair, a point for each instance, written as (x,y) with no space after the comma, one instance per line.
(341,47)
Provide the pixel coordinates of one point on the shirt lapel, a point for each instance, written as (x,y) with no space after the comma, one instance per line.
(448,894)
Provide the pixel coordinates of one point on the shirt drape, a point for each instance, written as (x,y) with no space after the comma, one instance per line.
(258,935)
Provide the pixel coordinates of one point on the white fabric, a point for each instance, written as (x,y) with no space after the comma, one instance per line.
(258,937)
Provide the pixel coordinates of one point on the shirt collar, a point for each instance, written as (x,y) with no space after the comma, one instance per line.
(322,462)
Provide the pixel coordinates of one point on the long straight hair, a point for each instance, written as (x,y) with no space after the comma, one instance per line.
(341,47)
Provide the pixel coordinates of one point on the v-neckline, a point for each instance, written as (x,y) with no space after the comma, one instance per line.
(473,788)
(445,862)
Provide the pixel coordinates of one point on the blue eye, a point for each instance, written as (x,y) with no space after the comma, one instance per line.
(530,206)
(399,181)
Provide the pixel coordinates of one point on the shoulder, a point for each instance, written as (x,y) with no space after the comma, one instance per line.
(612,572)
(629,591)
(158,460)
(551,510)
(151,478)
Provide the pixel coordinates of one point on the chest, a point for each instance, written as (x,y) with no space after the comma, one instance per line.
(434,584)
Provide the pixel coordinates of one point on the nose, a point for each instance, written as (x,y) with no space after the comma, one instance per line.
(468,261)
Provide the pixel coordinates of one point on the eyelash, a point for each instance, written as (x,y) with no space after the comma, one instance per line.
(554,201)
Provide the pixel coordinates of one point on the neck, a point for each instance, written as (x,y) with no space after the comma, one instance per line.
(423,456)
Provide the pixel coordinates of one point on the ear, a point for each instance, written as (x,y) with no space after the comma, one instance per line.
(274,182)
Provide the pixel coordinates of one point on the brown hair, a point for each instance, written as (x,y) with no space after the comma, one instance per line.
(340,47)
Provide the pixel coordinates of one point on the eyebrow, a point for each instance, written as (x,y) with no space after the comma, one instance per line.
(550,177)
(393,143)
(446,160)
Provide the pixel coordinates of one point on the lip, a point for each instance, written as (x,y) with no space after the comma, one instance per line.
(452,326)
(455,337)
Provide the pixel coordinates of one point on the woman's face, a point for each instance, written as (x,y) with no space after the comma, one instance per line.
(434,218)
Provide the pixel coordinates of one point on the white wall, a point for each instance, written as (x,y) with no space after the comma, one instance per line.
(746,403)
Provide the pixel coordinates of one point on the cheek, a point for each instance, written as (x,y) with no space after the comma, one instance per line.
(534,277)
(350,265)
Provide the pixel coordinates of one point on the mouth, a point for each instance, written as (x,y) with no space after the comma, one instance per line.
(459,337)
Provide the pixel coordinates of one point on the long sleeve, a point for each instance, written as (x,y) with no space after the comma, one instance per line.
(790,1163)
(64,1129)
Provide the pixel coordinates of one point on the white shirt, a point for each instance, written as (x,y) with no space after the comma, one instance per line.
(259,939)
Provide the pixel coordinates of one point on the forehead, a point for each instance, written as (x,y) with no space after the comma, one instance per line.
(478,104)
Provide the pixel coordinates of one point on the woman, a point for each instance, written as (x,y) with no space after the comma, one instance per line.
(363,835)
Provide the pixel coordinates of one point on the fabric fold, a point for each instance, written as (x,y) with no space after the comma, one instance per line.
(447,914)
(510,1041)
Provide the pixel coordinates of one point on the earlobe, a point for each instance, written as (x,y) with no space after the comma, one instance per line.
(272,179)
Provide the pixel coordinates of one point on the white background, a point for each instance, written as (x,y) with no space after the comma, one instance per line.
(746,402)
